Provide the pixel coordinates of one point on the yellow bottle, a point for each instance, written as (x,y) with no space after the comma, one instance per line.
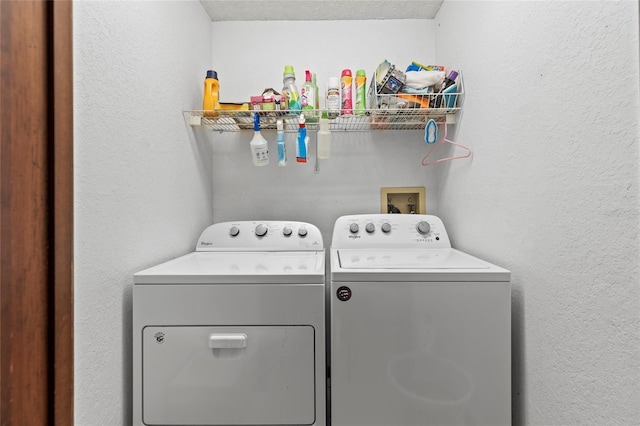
(211,89)
(211,101)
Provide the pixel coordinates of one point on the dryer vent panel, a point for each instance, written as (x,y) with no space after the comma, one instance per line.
(407,200)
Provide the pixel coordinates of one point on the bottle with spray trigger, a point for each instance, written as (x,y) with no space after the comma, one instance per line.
(258,145)
(302,144)
(324,138)
(282,147)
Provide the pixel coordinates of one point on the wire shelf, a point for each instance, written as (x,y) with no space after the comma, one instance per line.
(371,119)
(397,111)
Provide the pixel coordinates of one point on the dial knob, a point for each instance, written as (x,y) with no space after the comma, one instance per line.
(261,230)
(354,228)
(287,231)
(370,227)
(386,228)
(423,227)
(302,231)
(234,231)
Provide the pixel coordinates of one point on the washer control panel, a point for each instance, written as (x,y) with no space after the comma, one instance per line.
(390,230)
(265,235)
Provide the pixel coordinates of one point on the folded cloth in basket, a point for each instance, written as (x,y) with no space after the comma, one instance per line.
(421,79)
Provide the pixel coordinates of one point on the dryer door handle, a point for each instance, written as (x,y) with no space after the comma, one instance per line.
(227,340)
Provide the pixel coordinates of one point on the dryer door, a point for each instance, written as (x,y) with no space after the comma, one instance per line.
(260,375)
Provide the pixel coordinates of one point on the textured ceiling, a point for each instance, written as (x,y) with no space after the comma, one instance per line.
(319,10)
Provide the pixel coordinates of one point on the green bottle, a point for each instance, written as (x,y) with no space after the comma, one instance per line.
(361,97)
(307,98)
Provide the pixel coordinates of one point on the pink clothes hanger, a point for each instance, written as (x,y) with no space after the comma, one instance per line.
(430,136)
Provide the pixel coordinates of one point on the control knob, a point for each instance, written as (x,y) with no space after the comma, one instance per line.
(261,230)
(423,227)
(234,231)
(354,228)
(386,228)
(287,231)
(302,232)
(370,227)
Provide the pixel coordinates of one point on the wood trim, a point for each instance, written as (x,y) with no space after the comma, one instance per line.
(24,229)
(36,221)
(62,99)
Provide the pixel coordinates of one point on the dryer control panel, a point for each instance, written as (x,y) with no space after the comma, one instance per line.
(265,235)
(389,230)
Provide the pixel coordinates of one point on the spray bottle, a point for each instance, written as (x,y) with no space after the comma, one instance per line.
(258,145)
(333,97)
(347,96)
(302,144)
(324,138)
(361,97)
(282,147)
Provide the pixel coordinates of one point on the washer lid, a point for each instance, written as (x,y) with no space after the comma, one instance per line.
(408,259)
(412,265)
(298,267)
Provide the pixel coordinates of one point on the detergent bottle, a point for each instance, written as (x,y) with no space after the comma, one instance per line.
(307,98)
(289,89)
(211,91)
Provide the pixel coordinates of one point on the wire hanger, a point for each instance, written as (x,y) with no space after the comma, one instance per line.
(430,137)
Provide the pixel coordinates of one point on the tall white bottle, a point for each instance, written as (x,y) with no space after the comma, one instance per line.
(324,139)
(259,146)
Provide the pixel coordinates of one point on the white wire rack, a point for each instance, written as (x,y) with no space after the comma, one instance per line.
(399,111)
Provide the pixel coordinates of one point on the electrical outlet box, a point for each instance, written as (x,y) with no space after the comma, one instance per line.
(406,200)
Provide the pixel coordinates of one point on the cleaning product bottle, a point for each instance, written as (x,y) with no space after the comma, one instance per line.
(347,97)
(211,91)
(315,93)
(333,98)
(324,138)
(258,145)
(361,97)
(302,144)
(307,98)
(282,147)
(448,81)
(289,89)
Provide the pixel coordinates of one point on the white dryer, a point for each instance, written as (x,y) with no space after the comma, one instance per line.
(233,333)
(420,332)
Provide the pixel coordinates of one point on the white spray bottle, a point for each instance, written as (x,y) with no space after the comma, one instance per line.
(324,138)
(259,146)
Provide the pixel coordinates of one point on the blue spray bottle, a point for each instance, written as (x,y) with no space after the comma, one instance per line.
(282,147)
(302,144)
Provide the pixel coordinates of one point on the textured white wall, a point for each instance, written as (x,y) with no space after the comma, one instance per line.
(250,56)
(552,193)
(142,187)
(555,174)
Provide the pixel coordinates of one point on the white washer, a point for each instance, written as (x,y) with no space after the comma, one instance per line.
(420,332)
(233,333)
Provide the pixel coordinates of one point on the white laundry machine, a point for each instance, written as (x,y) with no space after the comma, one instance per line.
(233,333)
(420,332)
